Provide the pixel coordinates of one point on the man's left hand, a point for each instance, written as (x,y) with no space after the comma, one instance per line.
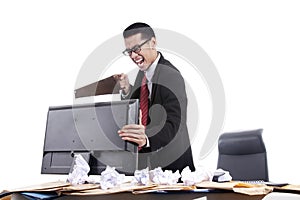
(134,133)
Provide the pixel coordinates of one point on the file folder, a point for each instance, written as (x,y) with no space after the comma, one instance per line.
(108,85)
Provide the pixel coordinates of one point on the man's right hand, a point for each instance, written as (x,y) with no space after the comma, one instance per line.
(124,82)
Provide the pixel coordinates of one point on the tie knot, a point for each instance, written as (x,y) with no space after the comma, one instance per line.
(144,81)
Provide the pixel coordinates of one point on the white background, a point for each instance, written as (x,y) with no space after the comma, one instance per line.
(255,46)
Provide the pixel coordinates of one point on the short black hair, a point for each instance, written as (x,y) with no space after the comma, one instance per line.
(139,27)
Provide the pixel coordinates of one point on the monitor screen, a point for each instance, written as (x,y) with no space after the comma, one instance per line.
(90,130)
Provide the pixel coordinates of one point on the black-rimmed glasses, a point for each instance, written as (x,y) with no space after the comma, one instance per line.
(135,49)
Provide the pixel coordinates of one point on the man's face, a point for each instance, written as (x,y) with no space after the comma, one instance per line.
(147,54)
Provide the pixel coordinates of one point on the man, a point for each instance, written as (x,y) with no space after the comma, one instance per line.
(162,136)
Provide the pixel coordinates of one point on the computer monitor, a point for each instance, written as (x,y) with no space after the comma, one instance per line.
(90,130)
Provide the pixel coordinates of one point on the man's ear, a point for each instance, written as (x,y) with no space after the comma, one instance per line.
(153,43)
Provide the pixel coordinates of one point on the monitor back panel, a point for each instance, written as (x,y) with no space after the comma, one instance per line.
(89,129)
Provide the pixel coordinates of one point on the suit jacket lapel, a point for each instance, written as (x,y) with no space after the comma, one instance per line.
(155,79)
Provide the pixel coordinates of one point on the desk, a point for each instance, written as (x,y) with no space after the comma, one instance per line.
(169,196)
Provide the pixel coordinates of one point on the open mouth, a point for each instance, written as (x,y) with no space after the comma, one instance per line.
(139,61)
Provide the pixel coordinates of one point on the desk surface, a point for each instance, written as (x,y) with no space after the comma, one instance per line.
(169,196)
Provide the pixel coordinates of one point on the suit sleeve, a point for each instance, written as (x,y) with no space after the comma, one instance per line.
(134,91)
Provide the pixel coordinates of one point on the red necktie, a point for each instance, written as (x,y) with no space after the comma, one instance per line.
(144,93)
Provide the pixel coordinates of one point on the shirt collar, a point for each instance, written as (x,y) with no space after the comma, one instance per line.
(151,69)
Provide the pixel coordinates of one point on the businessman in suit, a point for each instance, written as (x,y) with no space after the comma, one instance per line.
(162,135)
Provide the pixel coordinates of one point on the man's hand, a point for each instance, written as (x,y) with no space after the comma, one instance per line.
(134,133)
(124,82)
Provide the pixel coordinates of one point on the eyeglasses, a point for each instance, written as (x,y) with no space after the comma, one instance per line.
(135,49)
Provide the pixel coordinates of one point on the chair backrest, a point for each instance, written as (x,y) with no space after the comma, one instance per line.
(244,155)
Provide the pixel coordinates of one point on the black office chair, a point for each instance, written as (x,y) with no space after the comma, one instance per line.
(244,155)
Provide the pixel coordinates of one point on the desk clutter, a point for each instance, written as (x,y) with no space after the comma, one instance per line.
(143,181)
(60,188)
(146,181)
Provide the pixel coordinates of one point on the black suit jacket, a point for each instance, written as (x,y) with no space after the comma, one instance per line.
(166,128)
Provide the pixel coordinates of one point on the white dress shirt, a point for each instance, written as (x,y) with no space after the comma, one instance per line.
(150,72)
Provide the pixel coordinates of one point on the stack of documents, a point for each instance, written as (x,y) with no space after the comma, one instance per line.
(56,189)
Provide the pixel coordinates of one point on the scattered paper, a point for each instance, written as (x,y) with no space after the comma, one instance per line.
(238,187)
(141,177)
(191,178)
(256,190)
(110,178)
(167,177)
(80,171)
